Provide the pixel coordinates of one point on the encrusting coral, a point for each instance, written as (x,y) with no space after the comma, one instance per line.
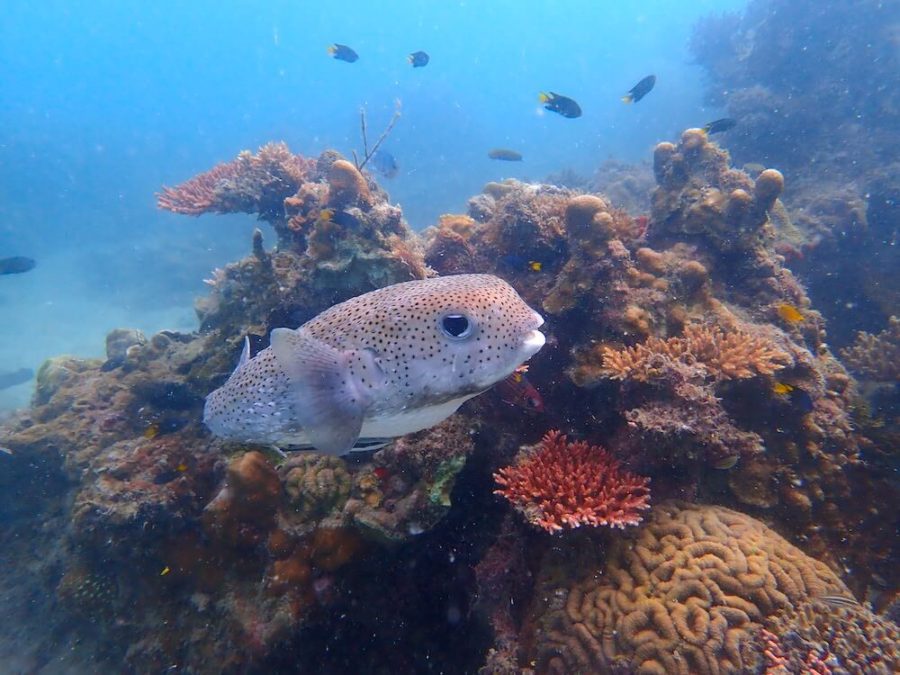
(686,592)
(835,633)
(566,485)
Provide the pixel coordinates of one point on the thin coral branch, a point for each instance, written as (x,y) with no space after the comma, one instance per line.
(367,154)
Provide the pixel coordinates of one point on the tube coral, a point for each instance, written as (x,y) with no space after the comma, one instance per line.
(723,356)
(565,484)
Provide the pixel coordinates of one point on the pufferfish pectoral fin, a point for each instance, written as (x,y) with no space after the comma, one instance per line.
(328,401)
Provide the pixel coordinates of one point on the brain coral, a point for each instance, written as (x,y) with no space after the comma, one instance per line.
(685,593)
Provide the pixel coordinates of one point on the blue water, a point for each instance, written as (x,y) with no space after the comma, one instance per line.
(103,103)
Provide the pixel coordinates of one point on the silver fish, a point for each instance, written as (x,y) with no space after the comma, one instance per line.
(380,365)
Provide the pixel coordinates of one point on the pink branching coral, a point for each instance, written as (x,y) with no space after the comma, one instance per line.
(244,184)
(723,356)
(563,484)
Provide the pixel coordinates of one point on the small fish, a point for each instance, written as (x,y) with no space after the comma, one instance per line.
(381,473)
(519,263)
(151,432)
(517,391)
(182,467)
(725,463)
(378,366)
(16,265)
(718,126)
(418,59)
(789,313)
(753,168)
(385,164)
(165,571)
(505,155)
(839,600)
(343,53)
(640,90)
(798,398)
(563,105)
(15,377)
(6,451)
(782,388)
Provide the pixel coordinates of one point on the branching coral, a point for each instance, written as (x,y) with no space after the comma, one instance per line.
(723,356)
(248,184)
(685,593)
(876,357)
(561,484)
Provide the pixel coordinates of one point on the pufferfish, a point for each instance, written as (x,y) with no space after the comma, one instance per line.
(378,366)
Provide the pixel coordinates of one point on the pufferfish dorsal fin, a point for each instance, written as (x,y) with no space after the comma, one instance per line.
(328,400)
(245,352)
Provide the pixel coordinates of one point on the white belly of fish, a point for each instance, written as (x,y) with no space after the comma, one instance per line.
(388,427)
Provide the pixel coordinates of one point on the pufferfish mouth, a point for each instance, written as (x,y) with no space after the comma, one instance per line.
(534,340)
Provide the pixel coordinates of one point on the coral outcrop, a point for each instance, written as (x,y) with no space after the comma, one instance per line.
(876,357)
(562,485)
(811,103)
(687,592)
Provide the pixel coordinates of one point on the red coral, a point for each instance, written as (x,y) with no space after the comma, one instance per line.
(564,484)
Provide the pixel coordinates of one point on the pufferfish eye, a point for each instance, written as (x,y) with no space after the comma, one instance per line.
(456,326)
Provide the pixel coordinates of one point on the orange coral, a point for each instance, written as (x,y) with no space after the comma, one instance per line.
(724,356)
(347,186)
(573,484)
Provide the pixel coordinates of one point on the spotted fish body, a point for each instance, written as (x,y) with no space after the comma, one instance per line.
(381,365)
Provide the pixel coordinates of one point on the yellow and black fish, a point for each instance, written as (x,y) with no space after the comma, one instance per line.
(343,53)
(562,105)
(504,154)
(418,59)
(640,90)
(718,126)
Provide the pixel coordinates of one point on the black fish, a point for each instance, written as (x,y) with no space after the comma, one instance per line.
(385,164)
(640,90)
(343,53)
(418,59)
(563,105)
(15,377)
(16,265)
(721,125)
(505,155)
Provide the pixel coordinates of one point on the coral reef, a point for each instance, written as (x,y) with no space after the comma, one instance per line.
(834,635)
(667,342)
(814,106)
(686,592)
(566,485)
(876,357)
